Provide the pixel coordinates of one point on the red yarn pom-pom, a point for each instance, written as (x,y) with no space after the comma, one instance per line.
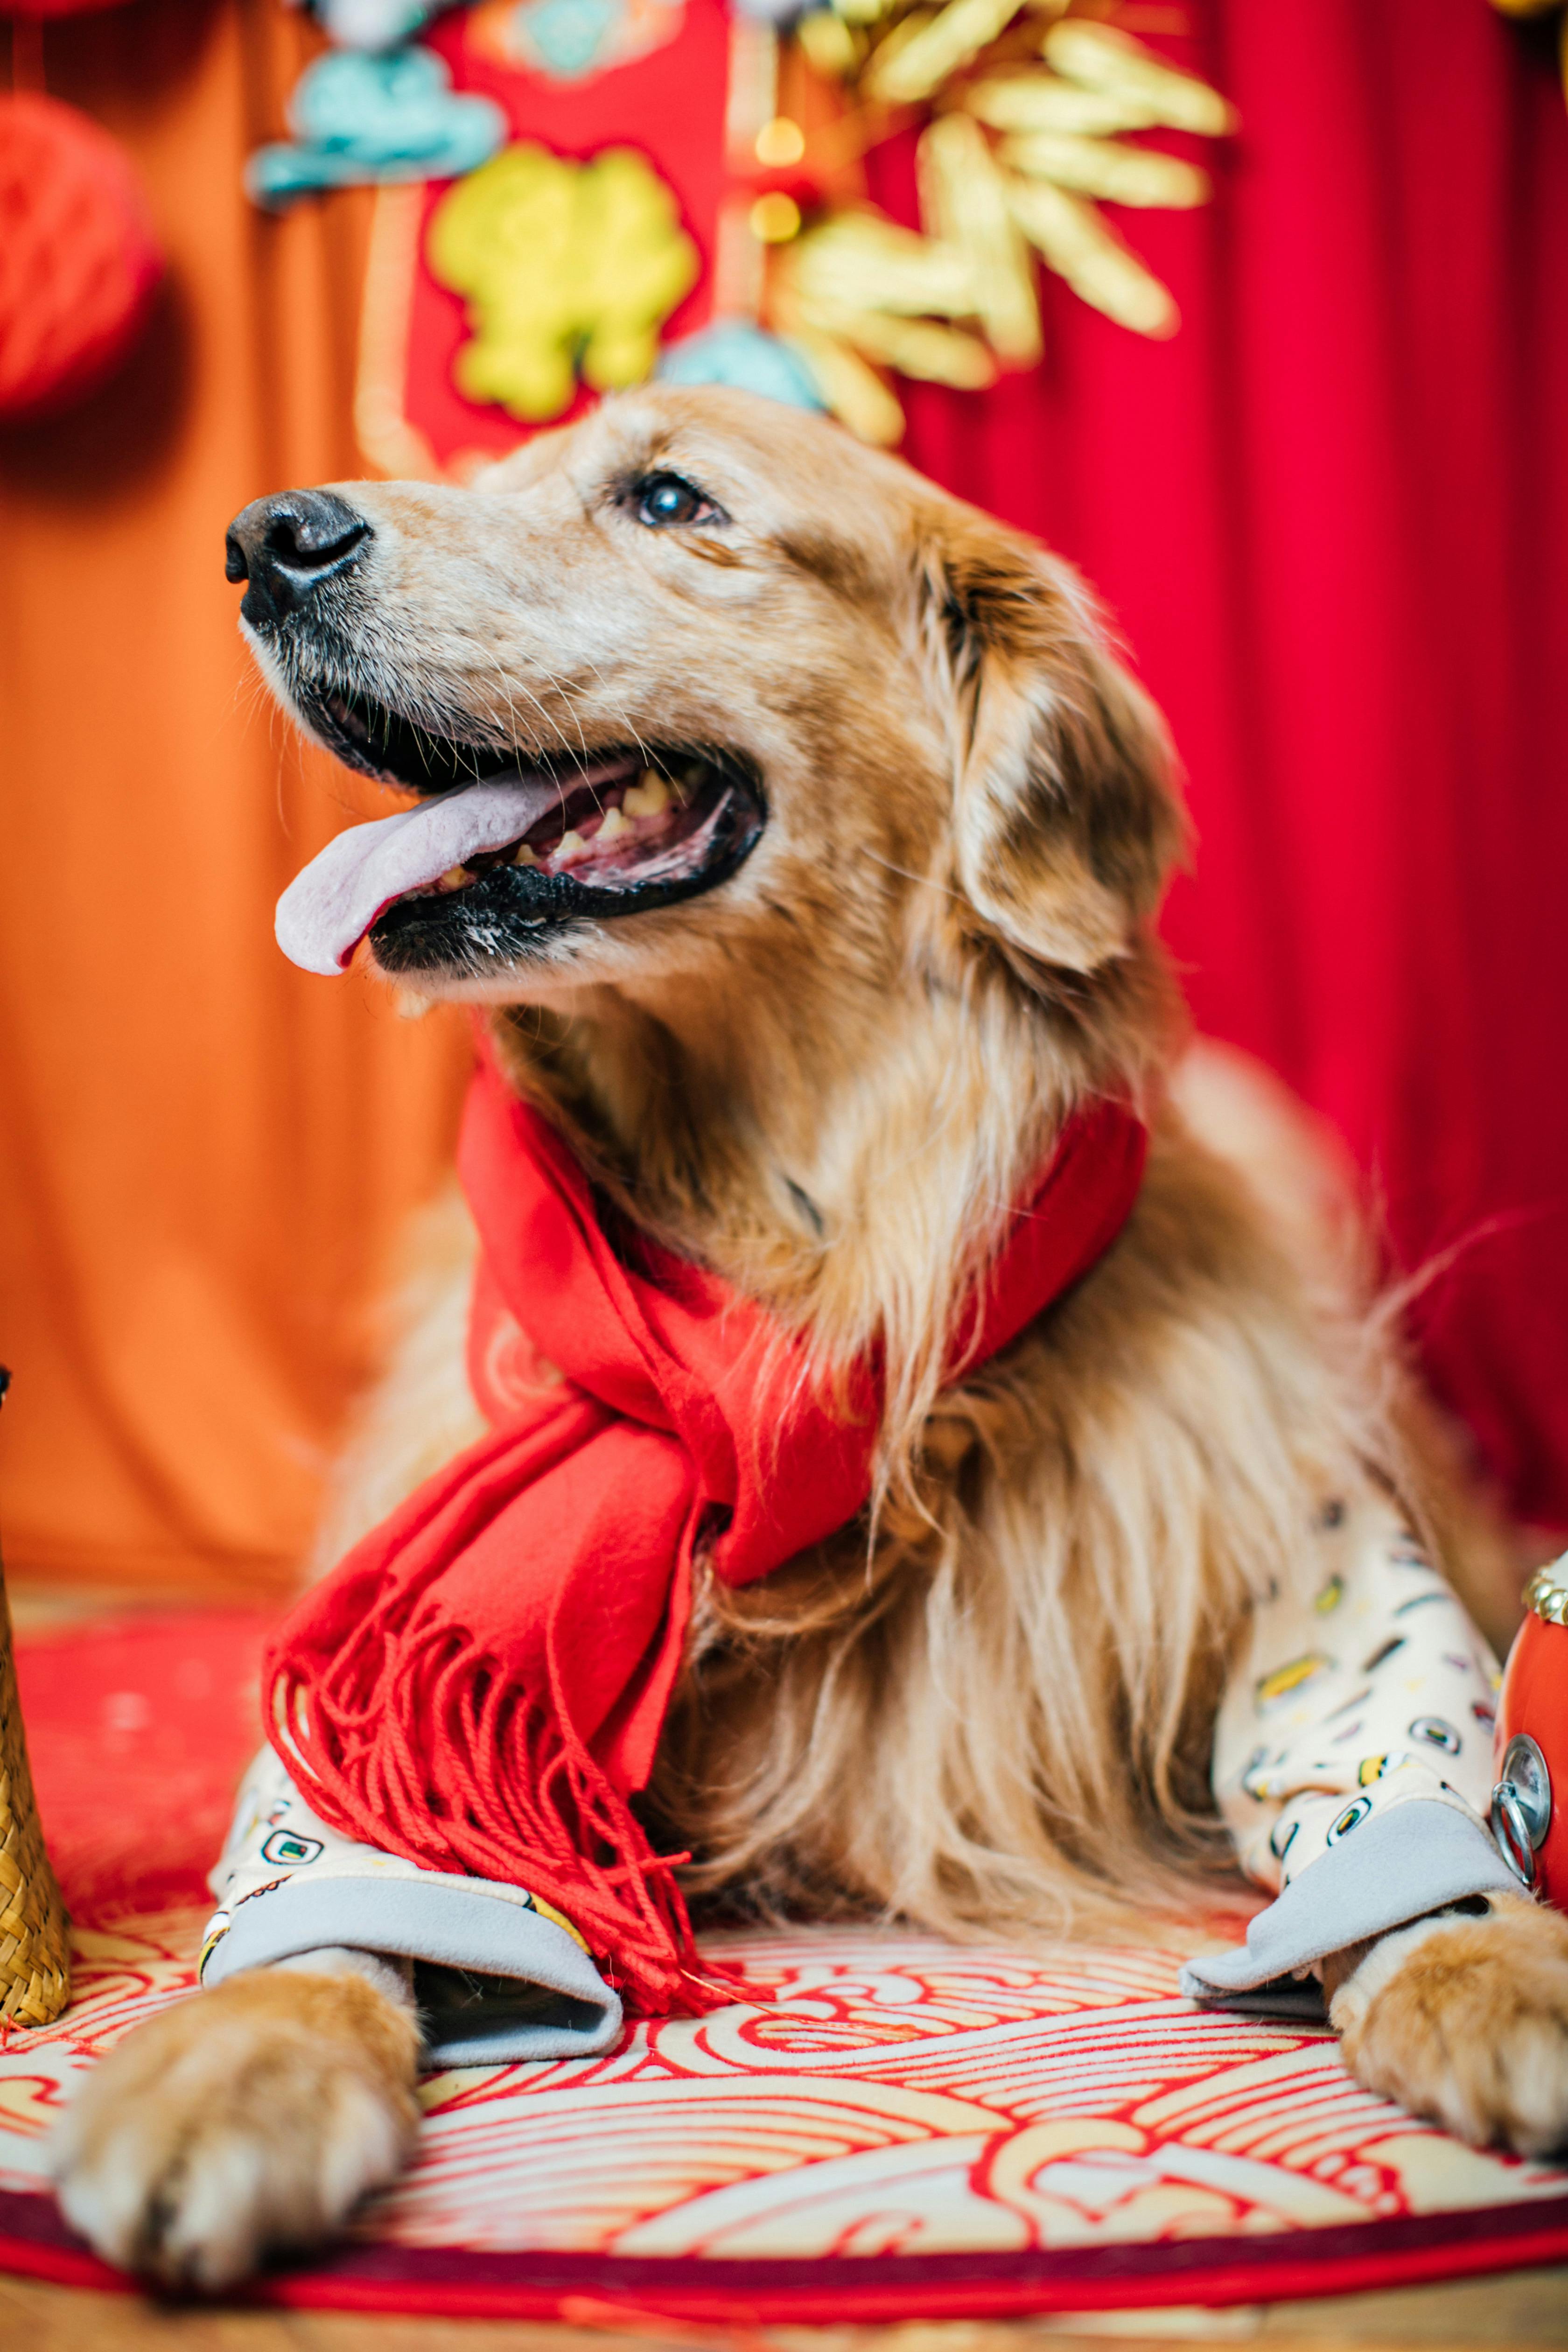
(78,257)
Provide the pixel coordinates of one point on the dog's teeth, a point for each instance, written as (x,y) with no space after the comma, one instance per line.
(649,796)
(524,855)
(453,878)
(570,848)
(613,825)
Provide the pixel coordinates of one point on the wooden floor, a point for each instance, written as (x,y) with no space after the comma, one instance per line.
(1525,2312)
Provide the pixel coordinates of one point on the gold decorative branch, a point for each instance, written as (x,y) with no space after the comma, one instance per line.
(1022,140)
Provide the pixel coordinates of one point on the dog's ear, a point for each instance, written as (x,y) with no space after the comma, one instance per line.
(1066,823)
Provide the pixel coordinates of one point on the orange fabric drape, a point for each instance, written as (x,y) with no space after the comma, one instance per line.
(204,1154)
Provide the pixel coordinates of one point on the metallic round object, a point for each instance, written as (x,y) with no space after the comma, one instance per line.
(1511,1834)
(1522,1806)
(1524,1769)
(1546,1594)
(1531,1747)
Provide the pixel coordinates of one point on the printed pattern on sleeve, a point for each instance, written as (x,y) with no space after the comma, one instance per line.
(497,1973)
(275,1838)
(1370,1689)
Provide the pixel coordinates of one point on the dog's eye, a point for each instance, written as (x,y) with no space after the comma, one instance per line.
(664,501)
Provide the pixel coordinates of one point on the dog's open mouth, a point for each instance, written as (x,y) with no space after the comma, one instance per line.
(490,860)
(381,742)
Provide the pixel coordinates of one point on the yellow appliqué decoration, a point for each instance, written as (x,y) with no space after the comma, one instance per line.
(217,1928)
(568,269)
(1330,1597)
(1285,1681)
(548,1911)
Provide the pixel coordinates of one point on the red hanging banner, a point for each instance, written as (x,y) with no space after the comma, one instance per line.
(505,301)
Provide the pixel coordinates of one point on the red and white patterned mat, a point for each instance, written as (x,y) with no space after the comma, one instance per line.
(888,2128)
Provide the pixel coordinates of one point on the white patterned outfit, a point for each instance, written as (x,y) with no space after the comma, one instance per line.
(1352,1766)
(1352,1760)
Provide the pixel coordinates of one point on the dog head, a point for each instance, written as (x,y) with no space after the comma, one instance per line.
(676,681)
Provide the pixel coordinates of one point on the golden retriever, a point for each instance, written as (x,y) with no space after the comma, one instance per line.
(936,818)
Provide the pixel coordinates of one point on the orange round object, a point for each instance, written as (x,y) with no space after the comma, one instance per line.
(78,257)
(1534,1708)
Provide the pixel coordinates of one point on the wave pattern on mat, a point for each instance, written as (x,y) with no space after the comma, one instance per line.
(884,2094)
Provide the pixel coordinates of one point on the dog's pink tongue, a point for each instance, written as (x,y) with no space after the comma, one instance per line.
(326,910)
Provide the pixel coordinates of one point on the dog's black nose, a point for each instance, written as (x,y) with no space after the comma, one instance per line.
(285,547)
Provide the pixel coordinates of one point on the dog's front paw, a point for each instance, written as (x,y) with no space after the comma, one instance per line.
(249,2119)
(1466,2020)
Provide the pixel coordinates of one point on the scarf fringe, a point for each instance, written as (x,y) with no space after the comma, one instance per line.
(420,1745)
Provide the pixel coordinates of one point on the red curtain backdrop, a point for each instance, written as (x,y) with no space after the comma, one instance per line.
(1331,517)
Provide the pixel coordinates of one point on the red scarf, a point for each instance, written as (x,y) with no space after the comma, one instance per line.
(480,1684)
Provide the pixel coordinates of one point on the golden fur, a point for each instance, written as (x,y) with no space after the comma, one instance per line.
(1464,2020)
(197,2153)
(988,1708)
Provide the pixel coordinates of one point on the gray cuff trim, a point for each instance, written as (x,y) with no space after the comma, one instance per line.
(1397,1866)
(553,2003)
